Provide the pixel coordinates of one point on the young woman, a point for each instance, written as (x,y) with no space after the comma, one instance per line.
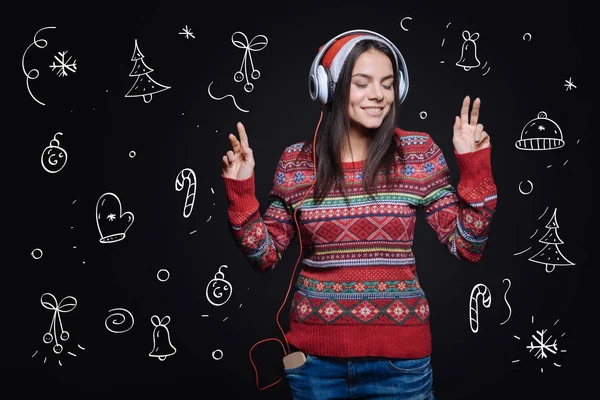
(359,319)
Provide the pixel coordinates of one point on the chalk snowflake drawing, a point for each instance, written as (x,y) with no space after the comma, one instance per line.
(144,86)
(57,334)
(34,73)
(258,42)
(63,65)
(542,345)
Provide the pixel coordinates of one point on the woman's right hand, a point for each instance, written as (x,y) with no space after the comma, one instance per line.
(238,163)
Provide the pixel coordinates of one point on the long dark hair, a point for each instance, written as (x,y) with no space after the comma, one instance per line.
(335,129)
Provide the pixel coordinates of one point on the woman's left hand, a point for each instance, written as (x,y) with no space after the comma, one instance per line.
(469,136)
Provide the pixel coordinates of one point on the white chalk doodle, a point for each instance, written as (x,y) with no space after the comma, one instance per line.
(258,42)
(550,255)
(423,114)
(57,332)
(144,86)
(161,338)
(163,275)
(210,216)
(468,54)
(218,290)
(63,65)
(527,36)
(404,28)
(479,291)
(112,223)
(217,354)
(187,32)
(37,253)
(524,191)
(569,85)
(444,41)
(54,157)
(120,320)
(132,154)
(540,133)
(506,301)
(222,97)
(34,73)
(187,175)
(543,346)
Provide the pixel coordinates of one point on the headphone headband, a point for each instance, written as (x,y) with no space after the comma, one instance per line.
(319,79)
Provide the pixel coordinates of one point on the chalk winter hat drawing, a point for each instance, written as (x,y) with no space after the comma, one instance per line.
(540,133)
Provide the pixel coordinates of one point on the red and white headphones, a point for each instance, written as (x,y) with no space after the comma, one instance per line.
(326,66)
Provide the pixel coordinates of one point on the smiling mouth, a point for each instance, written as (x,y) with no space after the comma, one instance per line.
(373,111)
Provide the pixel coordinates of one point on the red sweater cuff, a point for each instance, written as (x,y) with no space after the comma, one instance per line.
(241,194)
(475,167)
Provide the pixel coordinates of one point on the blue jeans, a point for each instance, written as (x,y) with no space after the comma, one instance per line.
(329,378)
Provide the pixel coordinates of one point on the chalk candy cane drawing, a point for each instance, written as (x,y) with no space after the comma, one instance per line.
(187,175)
(478,291)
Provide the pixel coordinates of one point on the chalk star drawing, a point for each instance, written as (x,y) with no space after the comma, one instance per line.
(542,346)
(63,65)
(569,84)
(67,304)
(187,32)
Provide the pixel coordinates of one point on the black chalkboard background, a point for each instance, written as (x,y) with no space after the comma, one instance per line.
(134,149)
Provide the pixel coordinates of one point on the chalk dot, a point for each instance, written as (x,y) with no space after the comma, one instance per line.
(132,154)
(423,114)
(217,354)
(37,254)
(163,275)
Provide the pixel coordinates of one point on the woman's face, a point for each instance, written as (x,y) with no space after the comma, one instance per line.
(371,90)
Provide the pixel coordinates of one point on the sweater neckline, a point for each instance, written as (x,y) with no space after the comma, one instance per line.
(353,164)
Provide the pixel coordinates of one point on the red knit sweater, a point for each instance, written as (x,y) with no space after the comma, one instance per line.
(358,293)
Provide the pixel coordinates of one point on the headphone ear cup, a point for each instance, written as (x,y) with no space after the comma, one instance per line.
(324,84)
(401,86)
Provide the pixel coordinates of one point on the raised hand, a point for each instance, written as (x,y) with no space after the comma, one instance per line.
(469,134)
(238,163)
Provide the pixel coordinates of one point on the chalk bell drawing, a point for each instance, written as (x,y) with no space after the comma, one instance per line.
(468,56)
(162,346)
(144,86)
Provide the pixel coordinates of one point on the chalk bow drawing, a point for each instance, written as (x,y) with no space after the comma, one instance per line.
(258,42)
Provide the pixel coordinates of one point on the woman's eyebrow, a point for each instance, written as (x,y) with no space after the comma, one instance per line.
(362,75)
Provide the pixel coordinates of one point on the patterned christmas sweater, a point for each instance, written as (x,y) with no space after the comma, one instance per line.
(357,292)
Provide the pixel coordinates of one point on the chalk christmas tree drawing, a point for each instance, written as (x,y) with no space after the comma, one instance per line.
(551,255)
(144,85)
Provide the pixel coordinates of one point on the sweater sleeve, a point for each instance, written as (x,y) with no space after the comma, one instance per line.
(264,238)
(461,218)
